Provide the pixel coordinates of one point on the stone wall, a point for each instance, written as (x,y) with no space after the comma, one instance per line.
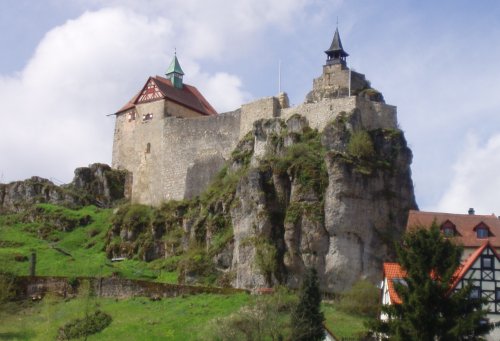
(194,149)
(29,287)
(263,108)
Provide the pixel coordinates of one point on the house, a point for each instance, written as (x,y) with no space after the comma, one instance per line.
(469,230)
(481,269)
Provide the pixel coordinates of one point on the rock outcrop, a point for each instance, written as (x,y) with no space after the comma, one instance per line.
(97,184)
(289,198)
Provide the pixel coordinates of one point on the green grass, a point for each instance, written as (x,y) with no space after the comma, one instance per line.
(180,318)
(84,244)
(343,324)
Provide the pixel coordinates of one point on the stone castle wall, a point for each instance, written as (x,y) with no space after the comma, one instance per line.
(176,153)
(193,151)
(186,153)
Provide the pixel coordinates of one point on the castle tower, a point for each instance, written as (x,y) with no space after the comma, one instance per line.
(337,79)
(175,73)
(336,54)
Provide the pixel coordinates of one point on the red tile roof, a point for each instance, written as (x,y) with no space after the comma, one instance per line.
(465,225)
(391,272)
(188,96)
(465,266)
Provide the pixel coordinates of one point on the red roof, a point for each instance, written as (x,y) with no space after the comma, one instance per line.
(465,266)
(188,96)
(465,225)
(391,272)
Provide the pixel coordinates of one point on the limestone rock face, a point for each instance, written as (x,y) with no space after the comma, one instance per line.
(315,201)
(96,184)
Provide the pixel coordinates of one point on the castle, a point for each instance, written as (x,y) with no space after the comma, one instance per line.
(173,142)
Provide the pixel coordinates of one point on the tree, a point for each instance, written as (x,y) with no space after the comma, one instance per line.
(307,317)
(429,310)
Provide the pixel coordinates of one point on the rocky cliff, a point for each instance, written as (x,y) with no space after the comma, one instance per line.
(289,198)
(97,184)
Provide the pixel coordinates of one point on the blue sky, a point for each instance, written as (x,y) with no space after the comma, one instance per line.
(66,64)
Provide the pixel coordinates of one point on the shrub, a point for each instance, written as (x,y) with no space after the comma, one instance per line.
(20,258)
(362,299)
(90,324)
(360,145)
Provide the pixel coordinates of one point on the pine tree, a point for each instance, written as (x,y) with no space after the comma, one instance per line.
(429,311)
(307,318)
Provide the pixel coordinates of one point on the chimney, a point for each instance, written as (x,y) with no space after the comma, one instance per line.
(471,211)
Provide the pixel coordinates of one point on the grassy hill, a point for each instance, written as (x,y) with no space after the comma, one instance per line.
(71,243)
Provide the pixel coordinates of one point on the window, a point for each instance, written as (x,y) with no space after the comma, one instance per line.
(497,294)
(475,293)
(487,262)
(148,148)
(131,116)
(147,117)
(448,231)
(482,232)
(400,281)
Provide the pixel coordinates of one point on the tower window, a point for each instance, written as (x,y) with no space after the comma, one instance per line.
(147,117)
(131,116)
(148,148)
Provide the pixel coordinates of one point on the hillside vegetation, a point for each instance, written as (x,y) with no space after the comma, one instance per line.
(67,242)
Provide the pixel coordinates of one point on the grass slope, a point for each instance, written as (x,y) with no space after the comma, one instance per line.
(180,318)
(78,252)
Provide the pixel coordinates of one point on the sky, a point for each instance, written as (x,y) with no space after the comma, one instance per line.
(67,64)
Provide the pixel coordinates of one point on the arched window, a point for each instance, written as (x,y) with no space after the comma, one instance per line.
(148,148)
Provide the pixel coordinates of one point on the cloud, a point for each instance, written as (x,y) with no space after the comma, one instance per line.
(54,110)
(475,181)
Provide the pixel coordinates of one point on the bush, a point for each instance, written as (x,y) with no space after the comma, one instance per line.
(90,324)
(20,258)
(360,145)
(362,299)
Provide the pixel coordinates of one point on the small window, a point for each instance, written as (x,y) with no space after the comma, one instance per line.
(475,293)
(400,281)
(487,262)
(497,294)
(448,231)
(148,148)
(131,116)
(482,232)
(147,117)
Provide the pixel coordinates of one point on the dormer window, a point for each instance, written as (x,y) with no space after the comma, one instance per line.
(482,231)
(448,229)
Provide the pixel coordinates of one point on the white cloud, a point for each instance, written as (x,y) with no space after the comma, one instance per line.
(53,111)
(475,181)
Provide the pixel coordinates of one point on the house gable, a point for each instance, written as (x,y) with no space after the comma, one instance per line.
(482,271)
(150,92)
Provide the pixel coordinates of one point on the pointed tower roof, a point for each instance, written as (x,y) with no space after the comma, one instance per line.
(336,53)
(336,43)
(174,66)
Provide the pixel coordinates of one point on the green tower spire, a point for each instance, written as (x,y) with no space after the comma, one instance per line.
(175,73)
